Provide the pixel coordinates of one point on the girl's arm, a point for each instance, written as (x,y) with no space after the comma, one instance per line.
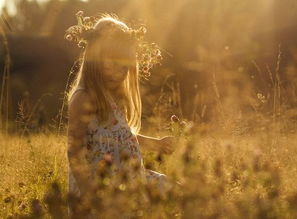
(78,117)
(163,145)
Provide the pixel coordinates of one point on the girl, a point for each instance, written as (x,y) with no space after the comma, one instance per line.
(104,104)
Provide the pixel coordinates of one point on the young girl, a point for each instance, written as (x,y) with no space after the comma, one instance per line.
(104,104)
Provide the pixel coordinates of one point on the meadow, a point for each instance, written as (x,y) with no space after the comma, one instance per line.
(226,89)
(244,169)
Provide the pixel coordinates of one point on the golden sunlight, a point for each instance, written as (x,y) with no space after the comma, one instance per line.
(148,109)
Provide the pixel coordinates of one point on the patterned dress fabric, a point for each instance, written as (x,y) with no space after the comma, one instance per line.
(112,141)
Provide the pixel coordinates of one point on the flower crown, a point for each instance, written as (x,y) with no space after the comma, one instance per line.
(147,54)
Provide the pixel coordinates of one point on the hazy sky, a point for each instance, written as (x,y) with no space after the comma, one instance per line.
(11,9)
(10,6)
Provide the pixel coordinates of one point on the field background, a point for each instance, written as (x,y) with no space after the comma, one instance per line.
(229,68)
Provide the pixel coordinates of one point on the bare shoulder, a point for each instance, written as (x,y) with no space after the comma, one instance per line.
(80,103)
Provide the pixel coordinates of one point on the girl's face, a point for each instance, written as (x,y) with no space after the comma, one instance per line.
(115,68)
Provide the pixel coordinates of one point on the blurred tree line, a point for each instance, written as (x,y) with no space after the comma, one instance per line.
(226,50)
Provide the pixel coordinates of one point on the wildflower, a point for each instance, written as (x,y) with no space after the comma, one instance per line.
(124,176)
(218,168)
(273,193)
(21,184)
(85,30)
(124,156)
(122,187)
(87,19)
(36,208)
(79,13)
(159,157)
(108,159)
(148,165)
(69,37)
(22,205)
(7,199)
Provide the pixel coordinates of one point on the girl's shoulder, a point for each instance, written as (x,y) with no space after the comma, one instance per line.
(80,102)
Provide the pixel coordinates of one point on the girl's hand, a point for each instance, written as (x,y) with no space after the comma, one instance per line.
(163,145)
(167,144)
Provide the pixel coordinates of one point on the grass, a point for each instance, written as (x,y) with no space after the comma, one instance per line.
(28,165)
(231,167)
(234,166)
(251,175)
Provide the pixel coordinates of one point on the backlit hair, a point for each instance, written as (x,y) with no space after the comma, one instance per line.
(110,35)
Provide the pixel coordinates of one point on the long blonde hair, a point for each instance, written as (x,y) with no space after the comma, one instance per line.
(110,34)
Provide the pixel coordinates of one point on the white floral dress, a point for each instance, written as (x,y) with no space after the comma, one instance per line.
(111,140)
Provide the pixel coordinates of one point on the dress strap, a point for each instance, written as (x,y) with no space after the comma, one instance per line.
(77,89)
(117,111)
(112,103)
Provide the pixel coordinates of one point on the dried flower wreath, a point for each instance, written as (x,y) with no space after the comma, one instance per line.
(147,54)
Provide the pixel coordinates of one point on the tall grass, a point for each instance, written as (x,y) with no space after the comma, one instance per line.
(220,176)
(5,95)
(218,170)
(230,167)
